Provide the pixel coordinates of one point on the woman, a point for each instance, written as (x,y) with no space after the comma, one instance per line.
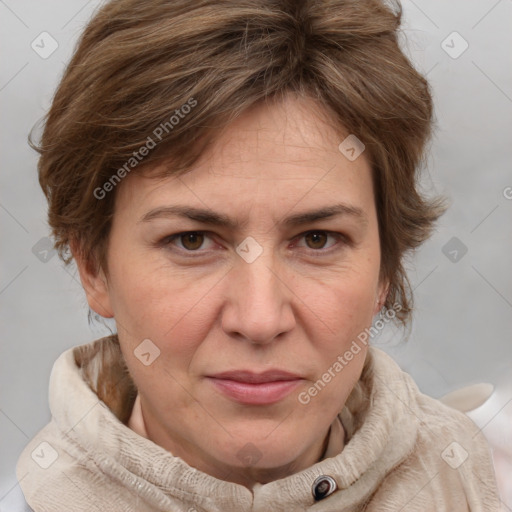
(237,183)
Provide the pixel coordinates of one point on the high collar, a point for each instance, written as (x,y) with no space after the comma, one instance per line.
(378,418)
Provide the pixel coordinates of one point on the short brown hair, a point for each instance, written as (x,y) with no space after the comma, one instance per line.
(139,62)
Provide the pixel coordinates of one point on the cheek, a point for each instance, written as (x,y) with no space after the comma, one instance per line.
(342,303)
(172,309)
(340,309)
(340,314)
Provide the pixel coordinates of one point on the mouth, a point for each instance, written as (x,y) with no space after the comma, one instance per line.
(251,388)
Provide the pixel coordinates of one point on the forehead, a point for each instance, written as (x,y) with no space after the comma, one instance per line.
(272,153)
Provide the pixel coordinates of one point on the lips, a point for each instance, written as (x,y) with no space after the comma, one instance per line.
(252,388)
(256,378)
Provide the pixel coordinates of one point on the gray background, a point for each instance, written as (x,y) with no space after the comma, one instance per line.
(462,326)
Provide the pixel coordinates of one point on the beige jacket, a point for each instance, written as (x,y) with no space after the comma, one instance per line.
(404,451)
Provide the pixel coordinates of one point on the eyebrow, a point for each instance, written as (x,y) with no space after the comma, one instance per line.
(206,216)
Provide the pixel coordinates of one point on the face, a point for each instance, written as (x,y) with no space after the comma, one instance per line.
(263,262)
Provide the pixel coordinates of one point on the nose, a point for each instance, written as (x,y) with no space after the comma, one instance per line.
(258,306)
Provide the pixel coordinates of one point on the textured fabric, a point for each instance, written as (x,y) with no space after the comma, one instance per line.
(403,451)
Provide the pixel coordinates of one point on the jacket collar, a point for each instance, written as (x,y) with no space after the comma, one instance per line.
(379,421)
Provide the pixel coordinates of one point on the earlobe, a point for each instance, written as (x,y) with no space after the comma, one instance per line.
(382,295)
(95,285)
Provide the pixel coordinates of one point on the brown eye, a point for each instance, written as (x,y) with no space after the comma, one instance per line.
(192,241)
(316,239)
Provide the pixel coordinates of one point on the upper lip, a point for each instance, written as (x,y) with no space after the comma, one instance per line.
(256,378)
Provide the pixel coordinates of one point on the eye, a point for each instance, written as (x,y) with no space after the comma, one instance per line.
(188,241)
(318,240)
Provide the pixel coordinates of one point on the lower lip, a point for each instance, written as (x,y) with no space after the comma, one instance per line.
(264,393)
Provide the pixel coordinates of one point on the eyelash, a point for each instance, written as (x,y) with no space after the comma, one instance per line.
(342,240)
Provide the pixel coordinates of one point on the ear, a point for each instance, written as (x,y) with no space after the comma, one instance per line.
(381,296)
(94,282)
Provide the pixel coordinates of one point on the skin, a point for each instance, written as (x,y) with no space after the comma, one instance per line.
(297,307)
